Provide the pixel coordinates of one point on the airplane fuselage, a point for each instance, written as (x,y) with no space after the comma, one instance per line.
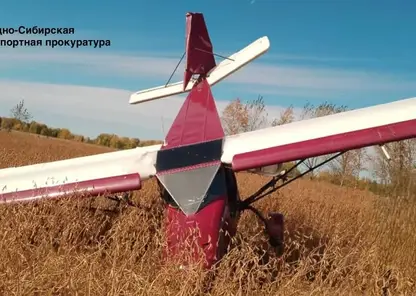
(206,234)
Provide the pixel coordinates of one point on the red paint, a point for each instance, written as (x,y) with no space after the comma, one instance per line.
(197,235)
(199,54)
(93,187)
(197,120)
(325,145)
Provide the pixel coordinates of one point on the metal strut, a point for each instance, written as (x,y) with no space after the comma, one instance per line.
(176,68)
(183,55)
(262,192)
(215,54)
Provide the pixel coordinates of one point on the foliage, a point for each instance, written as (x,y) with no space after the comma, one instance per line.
(398,173)
(7,124)
(323,109)
(286,116)
(238,117)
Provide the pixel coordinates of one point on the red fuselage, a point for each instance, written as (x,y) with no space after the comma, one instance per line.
(206,235)
(201,216)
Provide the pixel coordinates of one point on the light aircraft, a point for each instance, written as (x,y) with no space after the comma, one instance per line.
(196,165)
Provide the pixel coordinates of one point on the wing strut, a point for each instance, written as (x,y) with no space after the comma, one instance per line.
(262,192)
(274,241)
(386,153)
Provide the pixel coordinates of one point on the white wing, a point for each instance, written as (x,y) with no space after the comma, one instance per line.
(108,172)
(329,134)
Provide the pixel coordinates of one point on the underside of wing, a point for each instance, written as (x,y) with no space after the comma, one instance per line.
(324,135)
(103,173)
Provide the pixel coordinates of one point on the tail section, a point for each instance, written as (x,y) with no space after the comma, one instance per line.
(200,61)
(200,57)
(224,69)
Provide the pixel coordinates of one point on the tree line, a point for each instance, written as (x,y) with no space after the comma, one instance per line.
(21,120)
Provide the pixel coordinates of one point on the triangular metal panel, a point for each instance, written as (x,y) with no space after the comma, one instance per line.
(189,187)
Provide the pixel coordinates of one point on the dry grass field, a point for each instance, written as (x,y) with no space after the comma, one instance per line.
(338,241)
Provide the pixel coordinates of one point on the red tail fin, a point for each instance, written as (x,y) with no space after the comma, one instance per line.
(199,52)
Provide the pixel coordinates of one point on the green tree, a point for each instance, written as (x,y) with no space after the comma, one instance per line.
(103,139)
(34,127)
(43,130)
(115,142)
(54,132)
(65,134)
(7,124)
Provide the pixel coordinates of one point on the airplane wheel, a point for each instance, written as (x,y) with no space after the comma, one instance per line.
(275,230)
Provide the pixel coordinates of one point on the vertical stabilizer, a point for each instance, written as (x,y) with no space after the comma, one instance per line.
(199,52)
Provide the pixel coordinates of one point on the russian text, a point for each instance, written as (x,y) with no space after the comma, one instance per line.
(35,30)
(77,43)
(17,43)
(55,43)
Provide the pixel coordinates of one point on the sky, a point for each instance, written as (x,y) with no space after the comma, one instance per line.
(353,53)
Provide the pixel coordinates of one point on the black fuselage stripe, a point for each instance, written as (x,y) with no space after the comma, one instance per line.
(189,155)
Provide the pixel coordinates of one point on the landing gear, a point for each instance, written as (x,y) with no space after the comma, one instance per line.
(124,196)
(275,231)
(274,224)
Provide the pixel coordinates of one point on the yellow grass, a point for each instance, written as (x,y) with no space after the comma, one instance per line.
(338,241)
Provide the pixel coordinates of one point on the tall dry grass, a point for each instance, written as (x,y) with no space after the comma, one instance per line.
(338,241)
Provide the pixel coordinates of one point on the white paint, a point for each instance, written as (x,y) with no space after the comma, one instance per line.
(386,154)
(220,72)
(319,127)
(139,160)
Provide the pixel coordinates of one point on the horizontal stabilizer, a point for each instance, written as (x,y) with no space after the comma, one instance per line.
(221,71)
